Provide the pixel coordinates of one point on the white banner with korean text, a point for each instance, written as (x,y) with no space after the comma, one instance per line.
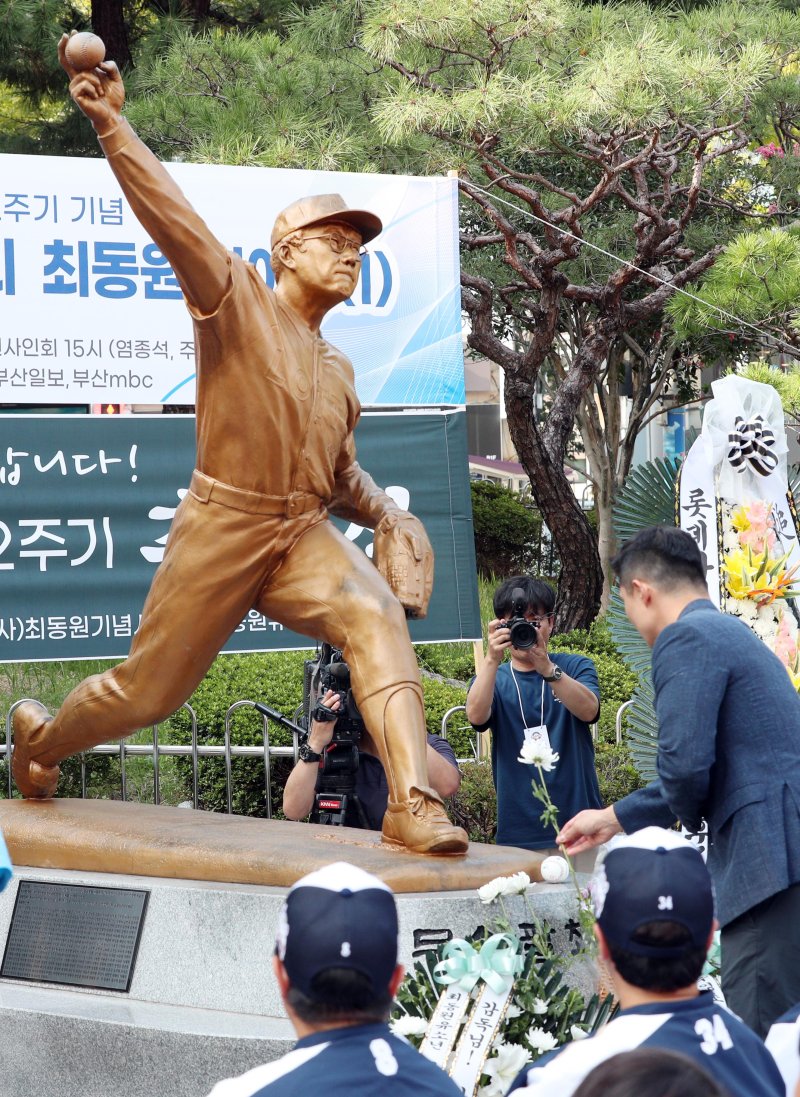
(90,311)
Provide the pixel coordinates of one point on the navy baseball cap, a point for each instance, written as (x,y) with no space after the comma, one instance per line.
(338,917)
(653,875)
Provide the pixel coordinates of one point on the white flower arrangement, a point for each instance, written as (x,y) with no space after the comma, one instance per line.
(539,1011)
(542,1012)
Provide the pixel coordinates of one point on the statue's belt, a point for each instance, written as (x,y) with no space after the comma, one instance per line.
(208,490)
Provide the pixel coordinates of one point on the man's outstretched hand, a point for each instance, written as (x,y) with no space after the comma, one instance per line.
(98,92)
(588,829)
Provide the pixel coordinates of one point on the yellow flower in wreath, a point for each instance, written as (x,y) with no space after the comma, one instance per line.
(758,576)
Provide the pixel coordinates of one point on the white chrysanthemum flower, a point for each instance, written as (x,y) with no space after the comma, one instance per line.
(513,1011)
(408,1025)
(748,610)
(577,1033)
(540,1005)
(765,630)
(730,540)
(540,1040)
(489,892)
(537,753)
(517,884)
(503,1068)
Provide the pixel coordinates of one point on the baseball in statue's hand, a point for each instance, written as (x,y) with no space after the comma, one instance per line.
(84,51)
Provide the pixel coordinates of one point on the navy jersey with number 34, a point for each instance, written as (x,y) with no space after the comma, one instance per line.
(697,1027)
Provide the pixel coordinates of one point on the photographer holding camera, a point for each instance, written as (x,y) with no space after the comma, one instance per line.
(550,699)
(371,788)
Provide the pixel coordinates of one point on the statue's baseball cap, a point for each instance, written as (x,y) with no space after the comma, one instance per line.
(653,875)
(338,917)
(318,208)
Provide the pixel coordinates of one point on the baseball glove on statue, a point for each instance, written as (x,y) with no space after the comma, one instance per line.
(404,557)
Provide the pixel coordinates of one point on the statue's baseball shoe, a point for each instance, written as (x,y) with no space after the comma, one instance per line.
(34,780)
(420,824)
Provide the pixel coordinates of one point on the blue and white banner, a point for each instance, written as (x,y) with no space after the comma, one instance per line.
(90,311)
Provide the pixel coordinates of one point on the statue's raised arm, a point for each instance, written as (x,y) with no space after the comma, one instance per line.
(199,260)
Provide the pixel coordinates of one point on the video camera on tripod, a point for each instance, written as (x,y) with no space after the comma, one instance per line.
(336,802)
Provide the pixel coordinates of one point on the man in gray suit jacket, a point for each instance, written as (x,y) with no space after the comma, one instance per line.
(729,752)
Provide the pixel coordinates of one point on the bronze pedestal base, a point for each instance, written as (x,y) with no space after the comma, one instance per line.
(144,840)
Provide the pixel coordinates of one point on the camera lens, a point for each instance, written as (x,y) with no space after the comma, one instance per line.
(523,633)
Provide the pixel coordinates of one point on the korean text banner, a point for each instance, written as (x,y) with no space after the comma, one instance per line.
(86,503)
(90,311)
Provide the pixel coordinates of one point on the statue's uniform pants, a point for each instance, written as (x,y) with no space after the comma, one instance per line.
(225,556)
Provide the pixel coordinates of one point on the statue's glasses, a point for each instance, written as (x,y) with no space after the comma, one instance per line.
(339,243)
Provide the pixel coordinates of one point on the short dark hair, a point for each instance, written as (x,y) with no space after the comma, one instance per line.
(341,994)
(540,597)
(654,972)
(663,555)
(649,1070)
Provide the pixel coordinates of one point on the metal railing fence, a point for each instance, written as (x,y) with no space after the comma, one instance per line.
(228,750)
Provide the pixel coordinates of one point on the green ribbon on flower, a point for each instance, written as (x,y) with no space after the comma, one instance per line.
(497,963)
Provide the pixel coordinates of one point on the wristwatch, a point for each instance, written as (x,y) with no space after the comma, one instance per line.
(306,754)
(557,674)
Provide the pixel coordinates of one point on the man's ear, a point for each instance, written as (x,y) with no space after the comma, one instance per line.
(602,944)
(714,928)
(281,976)
(396,979)
(643,590)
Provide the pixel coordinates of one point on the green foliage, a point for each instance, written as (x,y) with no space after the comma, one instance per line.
(647,500)
(439,697)
(507,531)
(596,640)
(616,773)
(617,681)
(453,661)
(785,382)
(474,806)
(276,679)
(757,278)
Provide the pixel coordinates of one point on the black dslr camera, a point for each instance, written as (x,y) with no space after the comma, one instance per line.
(524,633)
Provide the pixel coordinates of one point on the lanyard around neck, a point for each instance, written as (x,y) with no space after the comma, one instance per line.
(519,697)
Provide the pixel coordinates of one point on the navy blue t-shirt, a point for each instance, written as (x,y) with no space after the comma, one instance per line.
(345,1062)
(572,784)
(698,1027)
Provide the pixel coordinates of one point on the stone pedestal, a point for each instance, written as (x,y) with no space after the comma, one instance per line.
(203,1004)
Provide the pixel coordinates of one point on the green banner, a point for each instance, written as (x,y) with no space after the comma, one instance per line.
(85,507)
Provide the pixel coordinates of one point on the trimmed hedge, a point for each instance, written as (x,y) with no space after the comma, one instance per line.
(277,680)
